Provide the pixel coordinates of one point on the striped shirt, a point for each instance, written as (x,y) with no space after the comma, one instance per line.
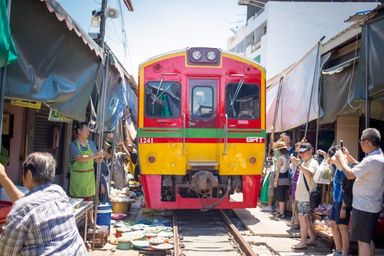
(42,223)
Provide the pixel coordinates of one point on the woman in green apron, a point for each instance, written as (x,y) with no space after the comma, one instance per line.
(83,153)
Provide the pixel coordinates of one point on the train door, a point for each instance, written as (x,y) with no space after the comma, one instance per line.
(201,132)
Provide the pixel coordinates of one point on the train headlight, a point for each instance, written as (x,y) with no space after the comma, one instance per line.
(252,160)
(211,55)
(151,159)
(196,55)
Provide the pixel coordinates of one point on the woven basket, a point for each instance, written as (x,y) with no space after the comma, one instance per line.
(120,207)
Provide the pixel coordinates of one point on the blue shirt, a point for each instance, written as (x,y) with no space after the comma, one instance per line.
(42,223)
(74,150)
(338,186)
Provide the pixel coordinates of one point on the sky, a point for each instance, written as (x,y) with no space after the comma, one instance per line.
(159,26)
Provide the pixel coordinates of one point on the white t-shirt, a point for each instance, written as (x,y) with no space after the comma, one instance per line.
(368,188)
(302,194)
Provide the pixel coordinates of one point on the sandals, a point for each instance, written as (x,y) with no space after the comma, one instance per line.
(299,247)
(279,215)
(310,243)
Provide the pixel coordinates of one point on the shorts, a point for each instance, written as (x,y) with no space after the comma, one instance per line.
(281,193)
(335,214)
(303,208)
(363,225)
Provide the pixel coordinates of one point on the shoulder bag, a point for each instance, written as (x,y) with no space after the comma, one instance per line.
(314,196)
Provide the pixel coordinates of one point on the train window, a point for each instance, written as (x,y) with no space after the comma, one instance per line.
(242,100)
(202,102)
(162,99)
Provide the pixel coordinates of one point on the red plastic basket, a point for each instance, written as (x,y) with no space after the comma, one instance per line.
(5,208)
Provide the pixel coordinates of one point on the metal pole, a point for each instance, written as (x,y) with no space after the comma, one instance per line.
(101,113)
(103,19)
(112,165)
(367,107)
(101,118)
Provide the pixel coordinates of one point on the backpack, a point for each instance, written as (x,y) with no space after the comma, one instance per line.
(347,192)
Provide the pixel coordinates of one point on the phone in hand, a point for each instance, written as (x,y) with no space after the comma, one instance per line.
(341,145)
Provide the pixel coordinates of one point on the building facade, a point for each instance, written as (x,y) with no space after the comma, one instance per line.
(278,33)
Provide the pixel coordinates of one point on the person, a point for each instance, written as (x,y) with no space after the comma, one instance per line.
(83,153)
(368,189)
(340,214)
(281,182)
(42,221)
(292,188)
(305,184)
(287,140)
(104,177)
(119,172)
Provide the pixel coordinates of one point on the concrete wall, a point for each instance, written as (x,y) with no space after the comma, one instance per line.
(347,129)
(293,28)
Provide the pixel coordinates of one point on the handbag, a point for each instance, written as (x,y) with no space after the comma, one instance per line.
(322,175)
(314,196)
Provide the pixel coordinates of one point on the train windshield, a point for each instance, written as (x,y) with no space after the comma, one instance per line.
(162,99)
(242,100)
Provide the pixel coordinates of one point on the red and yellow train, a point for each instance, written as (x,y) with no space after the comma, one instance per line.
(201,130)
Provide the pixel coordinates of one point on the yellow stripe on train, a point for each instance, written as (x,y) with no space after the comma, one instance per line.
(171,159)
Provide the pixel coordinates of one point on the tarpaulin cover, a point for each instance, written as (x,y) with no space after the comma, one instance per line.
(8,52)
(119,95)
(295,98)
(371,61)
(55,66)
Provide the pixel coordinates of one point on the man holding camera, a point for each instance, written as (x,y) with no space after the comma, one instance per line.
(305,184)
(367,190)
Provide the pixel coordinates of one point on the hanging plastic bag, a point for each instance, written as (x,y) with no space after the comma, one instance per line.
(323,173)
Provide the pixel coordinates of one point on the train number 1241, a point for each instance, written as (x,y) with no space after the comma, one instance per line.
(145,140)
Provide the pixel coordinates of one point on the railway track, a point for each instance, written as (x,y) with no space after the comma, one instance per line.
(199,233)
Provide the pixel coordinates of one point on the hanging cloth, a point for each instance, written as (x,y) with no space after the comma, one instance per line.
(8,53)
(264,189)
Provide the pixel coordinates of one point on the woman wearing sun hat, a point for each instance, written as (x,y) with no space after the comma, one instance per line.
(281,182)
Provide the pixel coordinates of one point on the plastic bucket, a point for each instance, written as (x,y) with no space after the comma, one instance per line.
(104,211)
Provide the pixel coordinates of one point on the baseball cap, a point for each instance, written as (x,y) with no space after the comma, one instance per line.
(305,147)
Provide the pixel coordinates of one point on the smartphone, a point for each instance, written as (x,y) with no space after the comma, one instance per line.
(341,143)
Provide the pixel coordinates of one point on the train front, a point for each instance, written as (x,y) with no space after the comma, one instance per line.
(201,130)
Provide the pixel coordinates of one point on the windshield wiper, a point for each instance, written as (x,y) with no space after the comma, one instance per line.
(238,88)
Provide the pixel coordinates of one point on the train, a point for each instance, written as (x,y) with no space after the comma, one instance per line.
(201,129)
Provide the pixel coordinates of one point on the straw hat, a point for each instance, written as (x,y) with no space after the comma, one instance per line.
(279,145)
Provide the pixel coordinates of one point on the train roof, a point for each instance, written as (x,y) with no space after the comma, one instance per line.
(182,52)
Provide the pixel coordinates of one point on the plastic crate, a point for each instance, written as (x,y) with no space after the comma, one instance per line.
(5,208)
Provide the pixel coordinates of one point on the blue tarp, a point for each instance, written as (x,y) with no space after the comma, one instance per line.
(59,64)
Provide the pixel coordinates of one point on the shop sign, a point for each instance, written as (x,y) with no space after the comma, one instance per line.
(56,116)
(26,104)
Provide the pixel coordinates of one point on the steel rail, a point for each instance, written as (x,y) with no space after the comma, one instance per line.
(176,246)
(244,245)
